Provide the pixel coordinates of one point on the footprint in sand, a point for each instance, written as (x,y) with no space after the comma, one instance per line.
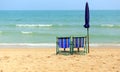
(118,59)
(1,70)
(48,56)
(5,58)
(28,56)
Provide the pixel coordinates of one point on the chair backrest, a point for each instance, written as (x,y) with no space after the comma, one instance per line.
(63,42)
(78,42)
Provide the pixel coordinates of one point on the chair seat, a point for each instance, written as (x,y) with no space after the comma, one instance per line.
(64,42)
(78,42)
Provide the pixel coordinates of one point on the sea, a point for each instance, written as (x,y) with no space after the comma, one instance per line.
(41,27)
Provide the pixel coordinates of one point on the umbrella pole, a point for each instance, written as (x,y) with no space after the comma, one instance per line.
(88,38)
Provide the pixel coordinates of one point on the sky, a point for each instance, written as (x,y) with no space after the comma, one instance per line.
(59,4)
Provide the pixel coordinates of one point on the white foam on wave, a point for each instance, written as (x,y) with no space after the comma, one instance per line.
(50,45)
(25,32)
(1,32)
(33,25)
(27,45)
(104,44)
(107,25)
(30,44)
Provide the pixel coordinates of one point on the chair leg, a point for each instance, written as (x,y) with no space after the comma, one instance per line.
(57,53)
(64,49)
(78,49)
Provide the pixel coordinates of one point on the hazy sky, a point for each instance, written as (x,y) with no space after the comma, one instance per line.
(58,4)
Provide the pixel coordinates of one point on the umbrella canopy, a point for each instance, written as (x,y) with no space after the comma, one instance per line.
(86,16)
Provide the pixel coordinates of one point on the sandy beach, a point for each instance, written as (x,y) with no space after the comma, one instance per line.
(45,60)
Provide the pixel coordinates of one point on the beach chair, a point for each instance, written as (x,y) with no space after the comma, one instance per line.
(79,42)
(63,43)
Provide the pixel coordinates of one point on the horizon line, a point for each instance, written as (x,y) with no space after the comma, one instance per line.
(55,9)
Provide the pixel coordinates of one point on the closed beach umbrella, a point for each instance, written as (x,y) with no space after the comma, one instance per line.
(87,17)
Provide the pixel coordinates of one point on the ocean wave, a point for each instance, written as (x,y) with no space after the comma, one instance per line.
(105,44)
(33,25)
(25,32)
(52,45)
(28,45)
(1,32)
(107,25)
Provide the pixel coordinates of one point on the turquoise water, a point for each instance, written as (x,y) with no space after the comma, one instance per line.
(44,26)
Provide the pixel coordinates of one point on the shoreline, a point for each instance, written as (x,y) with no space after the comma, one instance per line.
(53,45)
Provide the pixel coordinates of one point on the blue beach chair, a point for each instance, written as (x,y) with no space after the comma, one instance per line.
(63,42)
(79,42)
